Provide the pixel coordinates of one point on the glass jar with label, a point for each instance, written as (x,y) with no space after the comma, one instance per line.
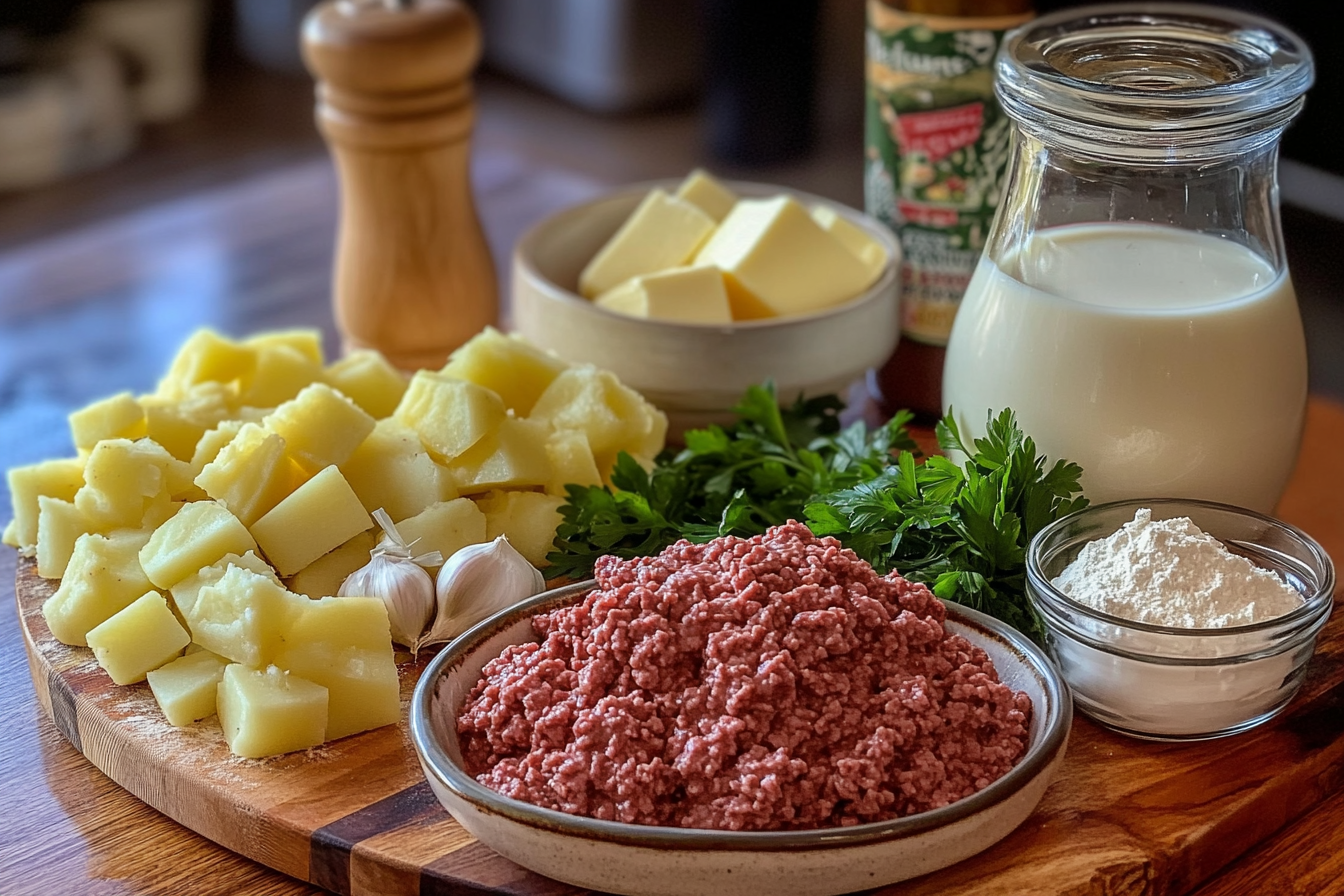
(936,146)
(1133,305)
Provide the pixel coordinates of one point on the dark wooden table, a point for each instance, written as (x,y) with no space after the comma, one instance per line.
(101,308)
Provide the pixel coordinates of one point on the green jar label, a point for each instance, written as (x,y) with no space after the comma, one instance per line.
(936,147)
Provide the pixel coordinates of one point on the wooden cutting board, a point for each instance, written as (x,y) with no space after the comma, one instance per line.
(356,817)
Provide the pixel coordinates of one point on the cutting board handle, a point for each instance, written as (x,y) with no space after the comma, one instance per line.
(414,277)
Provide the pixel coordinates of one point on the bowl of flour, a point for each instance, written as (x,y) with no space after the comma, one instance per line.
(1178,619)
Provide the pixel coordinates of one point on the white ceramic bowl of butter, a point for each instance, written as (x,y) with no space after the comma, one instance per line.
(696,373)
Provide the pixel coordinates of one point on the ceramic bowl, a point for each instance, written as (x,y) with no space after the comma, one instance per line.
(696,373)
(659,861)
(1164,683)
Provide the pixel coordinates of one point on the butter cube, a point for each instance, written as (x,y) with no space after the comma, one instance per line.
(369,380)
(323,577)
(449,414)
(242,616)
(777,260)
(513,456)
(266,712)
(251,474)
(707,194)
(138,639)
(320,426)
(509,366)
(685,295)
(321,515)
(663,232)
(186,688)
(198,535)
(345,645)
(446,527)
(59,478)
(391,470)
(854,238)
(527,519)
(117,417)
(102,579)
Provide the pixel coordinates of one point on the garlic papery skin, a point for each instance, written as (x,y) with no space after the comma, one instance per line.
(398,580)
(477,582)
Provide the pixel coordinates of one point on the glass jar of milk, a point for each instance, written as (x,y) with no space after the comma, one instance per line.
(1133,304)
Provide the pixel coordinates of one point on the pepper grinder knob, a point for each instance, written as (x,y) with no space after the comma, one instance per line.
(413,274)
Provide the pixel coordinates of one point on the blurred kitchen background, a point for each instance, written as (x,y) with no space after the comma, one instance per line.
(111,109)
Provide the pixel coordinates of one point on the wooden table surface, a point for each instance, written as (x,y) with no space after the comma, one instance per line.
(95,310)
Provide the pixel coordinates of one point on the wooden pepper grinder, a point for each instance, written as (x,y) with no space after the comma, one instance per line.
(414,278)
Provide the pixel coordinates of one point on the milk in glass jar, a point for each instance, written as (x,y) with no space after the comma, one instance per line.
(1133,304)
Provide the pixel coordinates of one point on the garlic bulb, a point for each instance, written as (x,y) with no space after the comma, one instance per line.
(479,581)
(398,579)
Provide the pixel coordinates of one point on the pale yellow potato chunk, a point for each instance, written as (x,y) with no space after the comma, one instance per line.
(197,536)
(450,415)
(369,380)
(242,616)
(571,460)
(206,356)
(323,577)
(345,645)
(116,417)
(613,416)
(320,426)
(510,366)
(307,341)
(59,478)
(513,456)
(102,578)
(167,424)
(184,593)
(281,372)
(446,527)
(124,479)
(59,525)
(391,470)
(138,639)
(186,687)
(266,712)
(321,515)
(528,519)
(251,474)
(211,442)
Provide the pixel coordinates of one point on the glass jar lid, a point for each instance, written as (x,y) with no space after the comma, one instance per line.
(1154,75)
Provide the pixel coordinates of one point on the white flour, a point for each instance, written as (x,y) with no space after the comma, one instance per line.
(1169,572)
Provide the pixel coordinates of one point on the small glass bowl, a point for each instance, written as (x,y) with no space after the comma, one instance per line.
(1176,684)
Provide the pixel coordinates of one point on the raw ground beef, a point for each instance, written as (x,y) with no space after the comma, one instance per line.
(770,683)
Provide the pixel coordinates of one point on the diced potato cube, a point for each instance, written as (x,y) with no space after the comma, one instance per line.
(197,536)
(206,356)
(117,417)
(613,416)
(513,456)
(103,578)
(59,525)
(509,366)
(266,712)
(11,534)
(662,232)
(323,577)
(707,194)
(242,616)
(571,461)
(211,442)
(251,474)
(186,688)
(321,515)
(446,527)
(369,380)
(320,426)
(53,478)
(391,470)
(450,415)
(124,479)
(527,519)
(307,341)
(345,645)
(280,373)
(138,639)
(168,425)
(185,592)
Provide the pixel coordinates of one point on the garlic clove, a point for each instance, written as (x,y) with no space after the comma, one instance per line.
(476,582)
(398,580)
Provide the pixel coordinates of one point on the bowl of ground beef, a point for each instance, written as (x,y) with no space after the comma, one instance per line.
(746,716)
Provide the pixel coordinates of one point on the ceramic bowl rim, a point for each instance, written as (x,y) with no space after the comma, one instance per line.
(435,760)
(1041,590)
(524,257)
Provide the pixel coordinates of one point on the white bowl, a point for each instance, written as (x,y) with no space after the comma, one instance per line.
(696,373)
(659,861)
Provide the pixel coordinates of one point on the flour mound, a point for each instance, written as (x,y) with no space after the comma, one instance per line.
(1170,572)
